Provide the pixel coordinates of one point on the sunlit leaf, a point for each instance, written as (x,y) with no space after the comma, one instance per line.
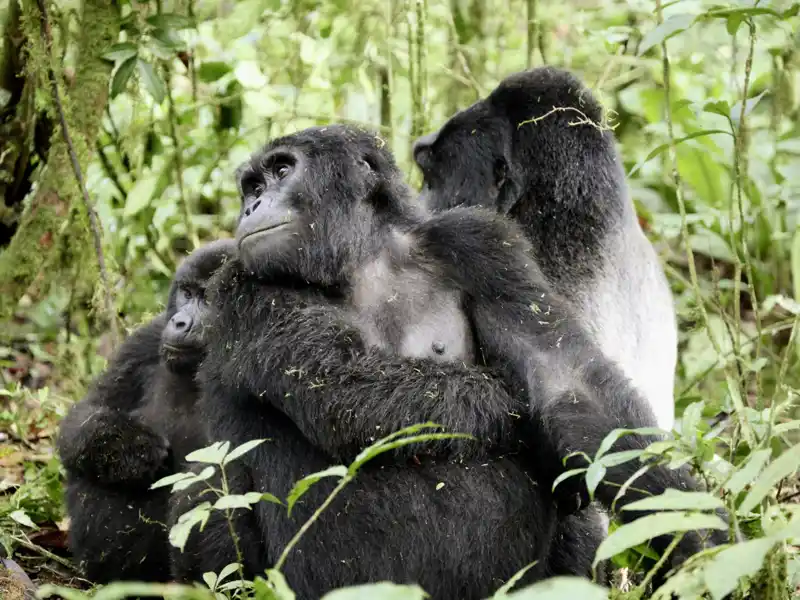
(594,476)
(664,147)
(227,571)
(190,481)
(241,450)
(213,454)
(384,590)
(302,486)
(671,26)
(751,103)
(673,499)
(747,472)
(170,479)
(722,573)
(561,588)
(786,464)
(651,526)
(179,534)
(239,500)
(152,81)
(21,517)
(140,195)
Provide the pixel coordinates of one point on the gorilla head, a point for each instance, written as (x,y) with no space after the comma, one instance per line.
(182,345)
(534,145)
(307,196)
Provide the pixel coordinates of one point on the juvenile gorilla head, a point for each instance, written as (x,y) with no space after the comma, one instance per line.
(535,142)
(316,202)
(182,345)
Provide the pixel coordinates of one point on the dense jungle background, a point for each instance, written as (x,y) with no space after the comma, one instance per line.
(121,124)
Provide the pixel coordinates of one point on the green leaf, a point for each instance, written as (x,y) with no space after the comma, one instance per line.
(122,75)
(374,450)
(241,450)
(385,590)
(227,571)
(213,454)
(663,147)
(211,579)
(274,587)
(594,475)
(152,82)
(566,475)
(170,21)
(747,472)
(21,517)
(733,24)
(170,479)
(675,24)
(302,486)
(651,526)
(561,588)
(795,262)
(718,107)
(722,573)
(751,103)
(140,195)
(212,70)
(673,499)
(120,52)
(238,500)
(179,533)
(506,587)
(786,464)
(185,483)
(615,434)
(165,43)
(618,458)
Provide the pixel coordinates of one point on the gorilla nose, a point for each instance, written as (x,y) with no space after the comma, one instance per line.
(182,323)
(252,208)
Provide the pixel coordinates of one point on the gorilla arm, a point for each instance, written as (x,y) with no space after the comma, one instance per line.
(98,437)
(577,396)
(294,349)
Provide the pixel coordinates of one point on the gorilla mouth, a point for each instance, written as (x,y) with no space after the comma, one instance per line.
(253,235)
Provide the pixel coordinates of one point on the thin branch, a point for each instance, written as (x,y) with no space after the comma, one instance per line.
(739,160)
(173,132)
(94,222)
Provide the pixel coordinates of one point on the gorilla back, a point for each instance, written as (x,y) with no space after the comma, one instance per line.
(535,149)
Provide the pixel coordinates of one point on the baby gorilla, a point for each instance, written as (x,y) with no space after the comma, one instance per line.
(136,425)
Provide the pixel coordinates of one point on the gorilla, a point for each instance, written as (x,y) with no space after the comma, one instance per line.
(327,230)
(534,150)
(136,425)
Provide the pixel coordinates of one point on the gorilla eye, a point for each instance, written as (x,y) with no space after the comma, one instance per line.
(186,293)
(281,169)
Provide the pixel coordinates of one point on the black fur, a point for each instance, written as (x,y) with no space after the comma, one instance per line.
(135,426)
(286,363)
(537,149)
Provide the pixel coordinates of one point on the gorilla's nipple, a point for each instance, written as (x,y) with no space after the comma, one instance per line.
(438,347)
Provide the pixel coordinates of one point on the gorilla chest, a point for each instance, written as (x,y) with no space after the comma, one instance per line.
(405,312)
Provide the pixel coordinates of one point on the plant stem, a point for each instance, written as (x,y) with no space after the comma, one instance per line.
(300,532)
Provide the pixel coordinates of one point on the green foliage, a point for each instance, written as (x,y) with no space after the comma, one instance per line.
(713,167)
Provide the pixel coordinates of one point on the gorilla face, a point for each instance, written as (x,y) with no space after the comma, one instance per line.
(306,199)
(466,162)
(182,340)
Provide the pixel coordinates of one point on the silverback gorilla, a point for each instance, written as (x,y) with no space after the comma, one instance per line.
(534,149)
(136,424)
(288,361)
